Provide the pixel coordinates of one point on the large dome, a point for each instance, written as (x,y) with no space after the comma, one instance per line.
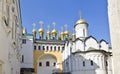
(81,21)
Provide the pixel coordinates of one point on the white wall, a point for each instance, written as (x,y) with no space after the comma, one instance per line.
(27,52)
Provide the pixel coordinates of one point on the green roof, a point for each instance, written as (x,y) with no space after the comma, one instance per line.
(27,34)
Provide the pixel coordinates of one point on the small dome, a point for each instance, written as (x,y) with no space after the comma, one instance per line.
(41,30)
(48,32)
(54,31)
(73,35)
(66,33)
(24,31)
(81,21)
(62,33)
(34,31)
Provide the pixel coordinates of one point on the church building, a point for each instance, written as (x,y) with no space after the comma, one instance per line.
(62,53)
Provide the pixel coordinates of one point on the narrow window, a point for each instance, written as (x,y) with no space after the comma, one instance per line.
(84,32)
(22,58)
(106,63)
(34,47)
(83,63)
(91,63)
(47,63)
(40,63)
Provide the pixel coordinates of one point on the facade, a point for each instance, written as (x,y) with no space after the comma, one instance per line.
(114,23)
(61,53)
(40,55)
(10,37)
(85,55)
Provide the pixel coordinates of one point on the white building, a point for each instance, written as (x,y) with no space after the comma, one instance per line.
(10,37)
(84,54)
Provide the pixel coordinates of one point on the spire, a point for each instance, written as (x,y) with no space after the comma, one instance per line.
(80,14)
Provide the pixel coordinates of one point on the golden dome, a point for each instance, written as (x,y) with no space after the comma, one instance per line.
(34,31)
(66,33)
(54,31)
(81,21)
(62,33)
(74,35)
(24,31)
(41,30)
(48,32)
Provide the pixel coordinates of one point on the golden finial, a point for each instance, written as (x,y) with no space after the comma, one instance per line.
(34,30)
(54,30)
(41,30)
(81,20)
(66,33)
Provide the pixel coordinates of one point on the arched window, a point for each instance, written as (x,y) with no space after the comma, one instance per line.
(47,48)
(55,48)
(40,63)
(39,47)
(59,48)
(51,48)
(43,47)
(91,63)
(47,63)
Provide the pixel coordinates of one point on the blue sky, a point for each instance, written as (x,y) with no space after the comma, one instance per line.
(67,12)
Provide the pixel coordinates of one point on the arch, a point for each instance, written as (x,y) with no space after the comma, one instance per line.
(47,64)
(40,57)
(104,45)
(91,42)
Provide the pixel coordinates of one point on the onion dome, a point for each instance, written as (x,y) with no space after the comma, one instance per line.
(24,31)
(34,31)
(73,35)
(62,33)
(48,32)
(41,30)
(81,21)
(66,33)
(54,31)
